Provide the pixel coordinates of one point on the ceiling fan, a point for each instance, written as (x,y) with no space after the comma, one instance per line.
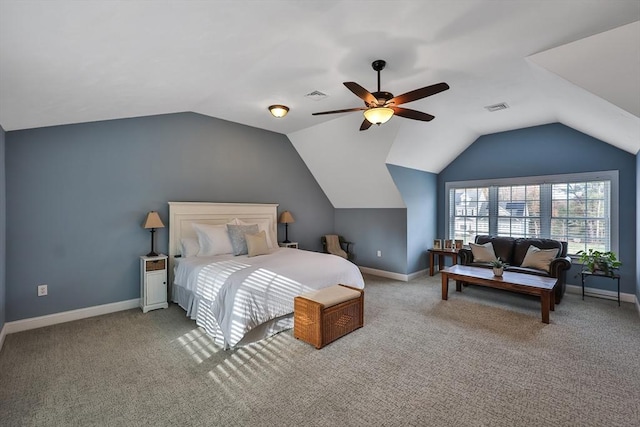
(381,106)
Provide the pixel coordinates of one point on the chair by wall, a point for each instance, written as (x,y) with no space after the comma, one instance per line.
(337,245)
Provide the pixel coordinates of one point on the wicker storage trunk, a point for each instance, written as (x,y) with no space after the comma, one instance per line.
(323,316)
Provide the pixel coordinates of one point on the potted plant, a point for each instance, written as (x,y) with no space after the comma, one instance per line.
(498,267)
(597,262)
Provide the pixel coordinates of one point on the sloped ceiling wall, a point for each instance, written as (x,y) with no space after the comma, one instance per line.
(349,164)
(596,61)
(540,89)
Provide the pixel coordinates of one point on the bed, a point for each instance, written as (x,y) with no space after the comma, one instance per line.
(239,299)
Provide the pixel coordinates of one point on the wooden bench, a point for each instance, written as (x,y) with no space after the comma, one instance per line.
(323,316)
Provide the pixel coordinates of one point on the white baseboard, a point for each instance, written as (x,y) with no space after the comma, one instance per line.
(385,274)
(600,293)
(392,275)
(68,316)
(638,306)
(417,274)
(3,333)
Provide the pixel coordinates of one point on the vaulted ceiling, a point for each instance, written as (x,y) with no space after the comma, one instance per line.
(571,61)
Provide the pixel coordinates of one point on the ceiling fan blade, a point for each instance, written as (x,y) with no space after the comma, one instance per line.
(419,93)
(366,124)
(338,111)
(412,114)
(361,92)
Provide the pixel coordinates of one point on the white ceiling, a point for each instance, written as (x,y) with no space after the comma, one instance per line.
(570,61)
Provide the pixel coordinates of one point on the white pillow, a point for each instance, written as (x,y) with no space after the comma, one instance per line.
(483,253)
(262,226)
(213,239)
(189,247)
(257,244)
(539,258)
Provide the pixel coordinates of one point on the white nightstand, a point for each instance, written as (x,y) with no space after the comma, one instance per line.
(293,245)
(153,282)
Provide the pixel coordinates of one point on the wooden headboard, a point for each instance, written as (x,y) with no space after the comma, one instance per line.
(183,214)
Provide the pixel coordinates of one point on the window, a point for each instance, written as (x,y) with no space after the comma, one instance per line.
(580,209)
(580,215)
(519,211)
(471,212)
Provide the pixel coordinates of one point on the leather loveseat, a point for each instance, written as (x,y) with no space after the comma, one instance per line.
(513,251)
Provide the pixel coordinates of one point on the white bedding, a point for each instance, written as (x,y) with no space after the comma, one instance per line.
(230,295)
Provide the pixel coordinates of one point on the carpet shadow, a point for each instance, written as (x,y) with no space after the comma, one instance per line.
(480,317)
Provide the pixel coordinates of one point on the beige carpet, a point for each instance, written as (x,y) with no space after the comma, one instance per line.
(483,358)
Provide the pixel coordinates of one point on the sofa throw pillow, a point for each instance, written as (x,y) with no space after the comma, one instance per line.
(238,241)
(483,253)
(257,244)
(213,239)
(539,258)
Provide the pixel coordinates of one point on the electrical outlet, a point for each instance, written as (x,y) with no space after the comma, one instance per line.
(42,290)
(379,253)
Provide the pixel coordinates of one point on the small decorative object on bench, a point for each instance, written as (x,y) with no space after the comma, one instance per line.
(323,316)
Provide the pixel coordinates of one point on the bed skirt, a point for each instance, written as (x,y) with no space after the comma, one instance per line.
(197,310)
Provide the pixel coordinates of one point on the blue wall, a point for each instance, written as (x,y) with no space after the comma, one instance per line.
(76,197)
(402,235)
(372,230)
(638,227)
(419,190)
(3,239)
(547,150)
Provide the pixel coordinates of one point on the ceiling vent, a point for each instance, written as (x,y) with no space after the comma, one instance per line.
(316,95)
(497,107)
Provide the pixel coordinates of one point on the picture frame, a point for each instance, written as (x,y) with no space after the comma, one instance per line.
(437,244)
(448,244)
(458,244)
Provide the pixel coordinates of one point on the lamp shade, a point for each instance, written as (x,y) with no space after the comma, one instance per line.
(278,110)
(153,221)
(286,218)
(378,115)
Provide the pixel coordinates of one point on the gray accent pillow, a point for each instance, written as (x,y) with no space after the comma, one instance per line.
(238,241)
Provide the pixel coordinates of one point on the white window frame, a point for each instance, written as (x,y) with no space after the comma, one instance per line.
(611,176)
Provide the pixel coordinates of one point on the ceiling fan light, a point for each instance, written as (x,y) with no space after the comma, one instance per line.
(278,110)
(378,115)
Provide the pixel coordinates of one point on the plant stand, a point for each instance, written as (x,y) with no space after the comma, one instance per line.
(610,276)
